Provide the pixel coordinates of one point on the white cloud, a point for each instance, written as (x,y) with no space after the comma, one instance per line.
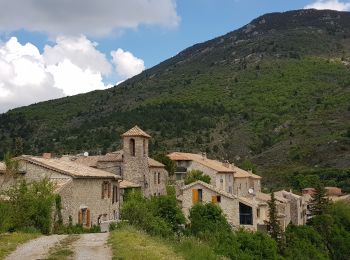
(90,17)
(329,4)
(127,65)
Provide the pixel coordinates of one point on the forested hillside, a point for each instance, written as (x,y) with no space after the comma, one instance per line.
(275,94)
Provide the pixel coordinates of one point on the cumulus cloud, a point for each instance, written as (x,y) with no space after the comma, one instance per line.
(89,17)
(329,4)
(71,66)
(127,65)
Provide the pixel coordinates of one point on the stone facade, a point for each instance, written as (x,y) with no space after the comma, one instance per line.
(78,193)
(229,204)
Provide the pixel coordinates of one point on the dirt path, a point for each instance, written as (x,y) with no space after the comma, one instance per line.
(36,248)
(92,247)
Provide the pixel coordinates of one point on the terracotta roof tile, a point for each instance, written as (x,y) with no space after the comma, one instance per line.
(136,131)
(212,164)
(154,163)
(68,167)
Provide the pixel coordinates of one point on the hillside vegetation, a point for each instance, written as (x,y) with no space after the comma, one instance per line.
(275,92)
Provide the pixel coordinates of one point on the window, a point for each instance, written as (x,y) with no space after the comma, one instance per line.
(155,178)
(215,199)
(158,177)
(197,195)
(106,189)
(84,217)
(115,194)
(144,147)
(132,147)
(245,214)
(258,213)
(230,189)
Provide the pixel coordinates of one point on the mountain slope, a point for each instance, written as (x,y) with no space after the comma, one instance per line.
(276,92)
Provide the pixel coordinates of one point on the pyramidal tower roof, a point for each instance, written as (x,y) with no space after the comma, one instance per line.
(136,131)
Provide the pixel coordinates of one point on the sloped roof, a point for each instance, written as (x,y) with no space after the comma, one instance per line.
(154,163)
(212,164)
(128,184)
(69,168)
(219,191)
(93,160)
(136,131)
(210,187)
(266,197)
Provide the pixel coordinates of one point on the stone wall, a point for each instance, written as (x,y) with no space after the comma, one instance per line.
(87,193)
(155,188)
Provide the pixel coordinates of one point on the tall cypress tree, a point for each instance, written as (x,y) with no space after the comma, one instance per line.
(319,201)
(273,224)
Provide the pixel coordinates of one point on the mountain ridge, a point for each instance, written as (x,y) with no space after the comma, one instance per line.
(274,92)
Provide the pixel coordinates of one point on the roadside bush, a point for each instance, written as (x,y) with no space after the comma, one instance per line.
(151,215)
(30,205)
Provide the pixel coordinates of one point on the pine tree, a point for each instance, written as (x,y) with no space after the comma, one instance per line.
(319,201)
(18,146)
(274,228)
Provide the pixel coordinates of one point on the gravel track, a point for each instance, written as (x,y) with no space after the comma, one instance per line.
(35,249)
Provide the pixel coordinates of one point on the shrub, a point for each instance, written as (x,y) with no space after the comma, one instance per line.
(196,175)
(30,205)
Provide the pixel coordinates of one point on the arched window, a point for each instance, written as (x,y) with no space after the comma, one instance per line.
(132,147)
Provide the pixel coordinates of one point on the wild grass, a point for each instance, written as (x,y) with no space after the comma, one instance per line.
(63,250)
(10,241)
(129,243)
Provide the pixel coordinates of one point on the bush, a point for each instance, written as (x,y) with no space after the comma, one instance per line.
(146,214)
(303,242)
(196,175)
(30,205)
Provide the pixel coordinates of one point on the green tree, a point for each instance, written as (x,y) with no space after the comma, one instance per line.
(303,242)
(196,175)
(11,169)
(274,227)
(18,146)
(170,165)
(319,202)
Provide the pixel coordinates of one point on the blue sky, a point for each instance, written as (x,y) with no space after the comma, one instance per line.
(50,49)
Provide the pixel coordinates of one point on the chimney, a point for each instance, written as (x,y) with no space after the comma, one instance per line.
(204,156)
(226,163)
(47,155)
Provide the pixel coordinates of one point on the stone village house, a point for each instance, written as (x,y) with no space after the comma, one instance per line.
(92,187)
(236,191)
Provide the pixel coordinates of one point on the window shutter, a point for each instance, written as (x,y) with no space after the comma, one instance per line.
(88,219)
(109,189)
(194,196)
(214,199)
(80,217)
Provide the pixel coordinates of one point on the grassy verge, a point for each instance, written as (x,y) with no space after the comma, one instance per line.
(129,243)
(9,241)
(63,250)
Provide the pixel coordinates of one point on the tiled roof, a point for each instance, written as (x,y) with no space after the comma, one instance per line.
(154,163)
(210,187)
(136,131)
(69,168)
(128,184)
(212,164)
(266,197)
(93,160)
(221,192)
